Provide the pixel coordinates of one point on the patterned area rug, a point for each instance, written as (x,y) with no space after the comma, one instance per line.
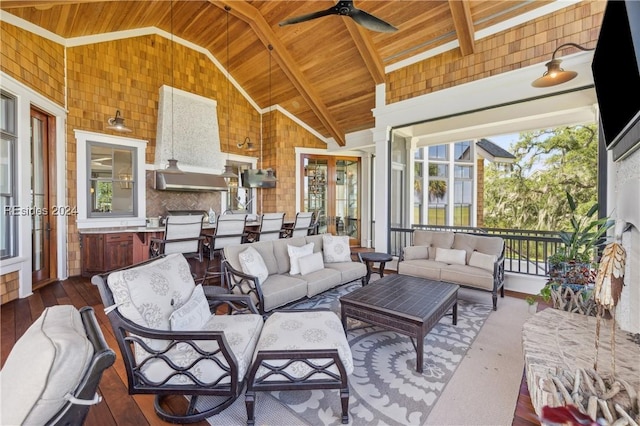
(385,387)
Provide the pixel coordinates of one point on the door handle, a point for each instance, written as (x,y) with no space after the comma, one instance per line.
(47,230)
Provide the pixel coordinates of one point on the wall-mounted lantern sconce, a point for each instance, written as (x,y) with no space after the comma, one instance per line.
(247,145)
(117,124)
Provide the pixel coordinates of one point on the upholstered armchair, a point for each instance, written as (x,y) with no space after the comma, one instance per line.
(52,374)
(177,341)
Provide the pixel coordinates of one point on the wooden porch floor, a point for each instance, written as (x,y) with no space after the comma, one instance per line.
(118,407)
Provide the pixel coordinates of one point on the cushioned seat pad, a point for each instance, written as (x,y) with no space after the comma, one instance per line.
(45,364)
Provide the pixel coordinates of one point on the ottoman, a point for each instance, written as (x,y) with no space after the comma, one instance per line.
(300,350)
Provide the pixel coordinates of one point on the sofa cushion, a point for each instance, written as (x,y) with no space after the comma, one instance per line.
(451,256)
(336,248)
(467,275)
(415,252)
(193,314)
(424,268)
(316,240)
(481,260)
(311,263)
(278,290)
(45,364)
(322,280)
(482,243)
(349,271)
(441,239)
(295,253)
(281,252)
(265,248)
(252,263)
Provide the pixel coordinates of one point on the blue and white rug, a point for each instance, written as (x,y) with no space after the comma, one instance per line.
(384,387)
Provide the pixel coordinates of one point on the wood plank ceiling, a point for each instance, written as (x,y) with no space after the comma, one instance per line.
(323,71)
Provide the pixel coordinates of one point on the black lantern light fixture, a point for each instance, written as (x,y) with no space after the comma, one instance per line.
(117,124)
(555,74)
(247,145)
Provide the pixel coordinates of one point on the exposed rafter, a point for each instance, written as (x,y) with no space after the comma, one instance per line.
(364,44)
(461,12)
(43,5)
(252,16)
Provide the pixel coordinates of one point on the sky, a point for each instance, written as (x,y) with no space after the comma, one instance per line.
(505,141)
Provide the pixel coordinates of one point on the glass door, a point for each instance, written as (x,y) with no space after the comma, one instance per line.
(331,190)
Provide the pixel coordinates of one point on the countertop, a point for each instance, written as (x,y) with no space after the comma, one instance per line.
(120,229)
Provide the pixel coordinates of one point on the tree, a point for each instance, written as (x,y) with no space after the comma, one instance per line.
(549,163)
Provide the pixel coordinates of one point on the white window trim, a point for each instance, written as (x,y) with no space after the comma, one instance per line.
(83,221)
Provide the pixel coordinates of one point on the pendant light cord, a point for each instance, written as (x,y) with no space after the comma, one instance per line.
(172,80)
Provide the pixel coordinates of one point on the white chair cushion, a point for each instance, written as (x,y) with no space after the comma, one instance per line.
(252,263)
(451,256)
(241,333)
(295,253)
(336,248)
(45,364)
(311,263)
(304,330)
(147,294)
(193,314)
(481,260)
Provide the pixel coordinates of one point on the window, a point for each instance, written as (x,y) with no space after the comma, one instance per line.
(8,228)
(111,180)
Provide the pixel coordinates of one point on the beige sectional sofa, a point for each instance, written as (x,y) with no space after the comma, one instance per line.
(276,273)
(470,260)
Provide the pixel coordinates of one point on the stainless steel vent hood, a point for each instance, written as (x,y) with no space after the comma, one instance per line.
(192,182)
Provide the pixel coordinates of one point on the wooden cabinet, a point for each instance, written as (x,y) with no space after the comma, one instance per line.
(105,252)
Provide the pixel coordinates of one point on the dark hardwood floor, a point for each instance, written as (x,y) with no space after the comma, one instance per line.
(118,407)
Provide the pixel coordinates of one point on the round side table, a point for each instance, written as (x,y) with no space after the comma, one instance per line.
(369,258)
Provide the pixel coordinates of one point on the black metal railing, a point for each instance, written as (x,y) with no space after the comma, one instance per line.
(526,251)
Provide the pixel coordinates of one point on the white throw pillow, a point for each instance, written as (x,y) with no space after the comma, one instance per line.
(311,263)
(295,253)
(482,260)
(336,248)
(451,256)
(193,314)
(253,264)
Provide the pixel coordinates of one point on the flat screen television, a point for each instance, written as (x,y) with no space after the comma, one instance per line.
(616,75)
(251,179)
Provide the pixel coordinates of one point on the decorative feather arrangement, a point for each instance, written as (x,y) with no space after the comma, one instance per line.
(608,288)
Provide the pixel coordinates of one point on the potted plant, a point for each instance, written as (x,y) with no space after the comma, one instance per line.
(572,270)
(575,263)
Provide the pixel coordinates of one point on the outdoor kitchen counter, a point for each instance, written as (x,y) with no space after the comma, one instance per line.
(108,248)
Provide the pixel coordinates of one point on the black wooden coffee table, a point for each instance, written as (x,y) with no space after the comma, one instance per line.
(404,304)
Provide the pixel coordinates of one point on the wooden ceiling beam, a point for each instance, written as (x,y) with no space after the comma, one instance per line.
(463,22)
(365,46)
(256,21)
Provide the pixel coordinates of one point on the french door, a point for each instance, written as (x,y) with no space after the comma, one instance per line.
(331,189)
(43,248)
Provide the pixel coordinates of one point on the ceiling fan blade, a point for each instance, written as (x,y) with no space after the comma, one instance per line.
(371,22)
(309,16)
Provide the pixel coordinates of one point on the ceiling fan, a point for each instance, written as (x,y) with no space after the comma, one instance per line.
(346,8)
